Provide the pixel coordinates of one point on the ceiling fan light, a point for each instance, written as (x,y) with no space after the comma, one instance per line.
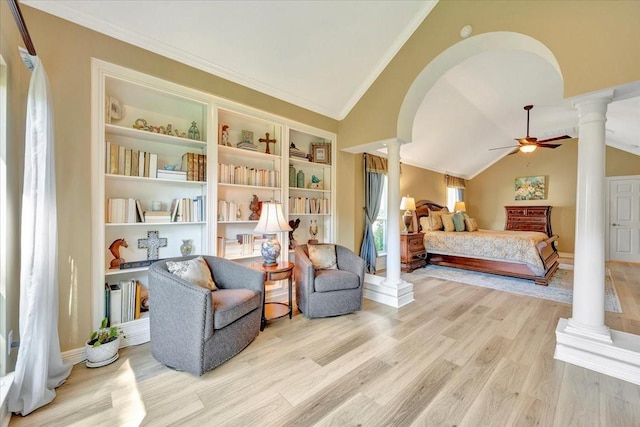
(528,148)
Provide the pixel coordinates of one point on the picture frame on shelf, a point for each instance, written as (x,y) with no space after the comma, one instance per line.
(247,137)
(321,152)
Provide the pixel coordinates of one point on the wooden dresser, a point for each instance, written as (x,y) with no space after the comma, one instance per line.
(529,218)
(412,251)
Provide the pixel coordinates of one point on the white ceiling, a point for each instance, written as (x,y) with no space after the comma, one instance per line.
(324,55)
(320,55)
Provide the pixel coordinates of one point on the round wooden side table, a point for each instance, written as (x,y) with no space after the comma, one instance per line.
(275,310)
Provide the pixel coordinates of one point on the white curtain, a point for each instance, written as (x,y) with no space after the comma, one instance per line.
(39,368)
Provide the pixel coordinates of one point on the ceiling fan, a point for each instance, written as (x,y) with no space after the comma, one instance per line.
(529,144)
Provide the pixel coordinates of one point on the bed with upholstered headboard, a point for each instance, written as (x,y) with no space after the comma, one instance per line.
(522,254)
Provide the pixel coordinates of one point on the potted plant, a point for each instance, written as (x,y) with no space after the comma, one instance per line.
(102,346)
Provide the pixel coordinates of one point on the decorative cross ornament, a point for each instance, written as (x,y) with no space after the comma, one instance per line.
(267,141)
(152,244)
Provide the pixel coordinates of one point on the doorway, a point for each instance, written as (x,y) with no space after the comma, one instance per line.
(624,218)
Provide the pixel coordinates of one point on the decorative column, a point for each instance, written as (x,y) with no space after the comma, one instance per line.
(391,290)
(584,339)
(588,275)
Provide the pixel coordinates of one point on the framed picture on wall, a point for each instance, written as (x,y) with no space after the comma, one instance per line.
(321,152)
(530,188)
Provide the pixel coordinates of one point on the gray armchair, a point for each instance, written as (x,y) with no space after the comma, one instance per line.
(194,329)
(324,293)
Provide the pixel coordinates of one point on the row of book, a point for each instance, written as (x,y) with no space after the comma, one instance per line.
(195,165)
(229,210)
(129,162)
(306,205)
(120,210)
(125,301)
(244,175)
(244,245)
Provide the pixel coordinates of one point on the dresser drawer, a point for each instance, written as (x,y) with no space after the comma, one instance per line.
(527,227)
(540,212)
(416,243)
(516,211)
(529,219)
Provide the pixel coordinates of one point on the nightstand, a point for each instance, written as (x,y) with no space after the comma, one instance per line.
(412,252)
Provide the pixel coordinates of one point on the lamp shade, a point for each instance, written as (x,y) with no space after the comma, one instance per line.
(408,203)
(272,219)
(460,207)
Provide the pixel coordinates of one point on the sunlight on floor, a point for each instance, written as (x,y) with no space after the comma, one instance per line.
(126,397)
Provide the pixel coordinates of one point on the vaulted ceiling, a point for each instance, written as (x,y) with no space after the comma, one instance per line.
(324,55)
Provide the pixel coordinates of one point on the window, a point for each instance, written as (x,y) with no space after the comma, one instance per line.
(454,195)
(380,225)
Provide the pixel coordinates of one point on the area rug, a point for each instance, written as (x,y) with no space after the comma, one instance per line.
(560,286)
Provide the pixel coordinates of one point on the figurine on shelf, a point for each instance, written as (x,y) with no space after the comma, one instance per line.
(315,183)
(141,124)
(194,132)
(293,224)
(224,140)
(254,207)
(313,232)
(115,251)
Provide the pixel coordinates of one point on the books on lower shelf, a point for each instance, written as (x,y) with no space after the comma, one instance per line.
(306,205)
(130,211)
(244,245)
(125,301)
(244,175)
(123,210)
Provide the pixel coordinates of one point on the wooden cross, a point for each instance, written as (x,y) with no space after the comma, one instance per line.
(267,141)
(152,244)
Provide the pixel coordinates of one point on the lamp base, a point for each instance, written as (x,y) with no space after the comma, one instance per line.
(408,219)
(270,250)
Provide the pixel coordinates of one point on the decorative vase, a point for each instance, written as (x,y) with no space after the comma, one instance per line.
(292,176)
(300,179)
(186,247)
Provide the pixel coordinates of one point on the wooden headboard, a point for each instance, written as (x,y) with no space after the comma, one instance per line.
(423,207)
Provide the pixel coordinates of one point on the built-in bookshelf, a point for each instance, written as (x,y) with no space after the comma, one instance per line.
(150,146)
(155,176)
(311,198)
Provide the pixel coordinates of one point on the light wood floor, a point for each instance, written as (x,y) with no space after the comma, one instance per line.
(459,355)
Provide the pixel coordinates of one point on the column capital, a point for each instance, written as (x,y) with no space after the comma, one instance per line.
(595,102)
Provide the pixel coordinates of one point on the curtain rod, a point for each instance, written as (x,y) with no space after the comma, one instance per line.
(22,26)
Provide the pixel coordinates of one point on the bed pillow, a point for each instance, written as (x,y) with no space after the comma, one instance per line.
(425,223)
(195,271)
(323,256)
(471,224)
(447,222)
(458,221)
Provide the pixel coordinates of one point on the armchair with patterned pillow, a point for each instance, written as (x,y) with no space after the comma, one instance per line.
(329,280)
(204,310)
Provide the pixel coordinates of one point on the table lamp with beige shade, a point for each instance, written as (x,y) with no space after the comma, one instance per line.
(271,222)
(408,204)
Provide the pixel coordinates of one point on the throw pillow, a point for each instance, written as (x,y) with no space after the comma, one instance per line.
(471,224)
(323,256)
(458,221)
(435,220)
(447,222)
(195,271)
(424,223)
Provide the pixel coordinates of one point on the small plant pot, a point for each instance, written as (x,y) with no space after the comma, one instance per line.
(103,354)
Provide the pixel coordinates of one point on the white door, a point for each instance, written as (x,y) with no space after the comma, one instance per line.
(624,219)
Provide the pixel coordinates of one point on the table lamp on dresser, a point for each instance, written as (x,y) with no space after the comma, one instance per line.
(408,204)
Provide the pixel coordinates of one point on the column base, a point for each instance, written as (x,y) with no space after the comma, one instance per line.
(378,289)
(619,358)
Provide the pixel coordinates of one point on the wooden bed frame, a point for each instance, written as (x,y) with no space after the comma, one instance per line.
(546,250)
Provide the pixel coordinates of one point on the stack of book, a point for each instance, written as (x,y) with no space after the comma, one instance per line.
(122,301)
(243,175)
(188,210)
(306,205)
(295,152)
(247,146)
(157,216)
(174,175)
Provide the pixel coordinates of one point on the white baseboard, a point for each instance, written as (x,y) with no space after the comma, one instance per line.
(620,359)
(396,295)
(75,356)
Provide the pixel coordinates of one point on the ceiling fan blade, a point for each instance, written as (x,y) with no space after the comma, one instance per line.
(502,148)
(557,138)
(543,145)
(517,150)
